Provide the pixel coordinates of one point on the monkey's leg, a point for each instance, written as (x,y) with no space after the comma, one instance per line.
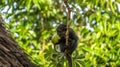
(69,59)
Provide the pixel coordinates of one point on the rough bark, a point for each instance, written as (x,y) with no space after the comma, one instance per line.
(11,55)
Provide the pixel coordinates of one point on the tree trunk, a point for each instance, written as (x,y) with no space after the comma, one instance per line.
(11,55)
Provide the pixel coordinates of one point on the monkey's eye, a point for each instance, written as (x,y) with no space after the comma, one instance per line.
(59,30)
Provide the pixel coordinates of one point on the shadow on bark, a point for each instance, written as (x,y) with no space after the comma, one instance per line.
(11,55)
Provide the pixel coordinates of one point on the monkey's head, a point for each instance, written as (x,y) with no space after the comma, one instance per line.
(61,30)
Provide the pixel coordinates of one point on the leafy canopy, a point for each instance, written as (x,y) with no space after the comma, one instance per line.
(96,22)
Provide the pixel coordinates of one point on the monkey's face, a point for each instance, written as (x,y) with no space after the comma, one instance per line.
(61,30)
(61,33)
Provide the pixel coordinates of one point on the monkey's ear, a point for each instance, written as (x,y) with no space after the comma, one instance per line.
(55,38)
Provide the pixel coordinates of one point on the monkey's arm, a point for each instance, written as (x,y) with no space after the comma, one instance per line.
(72,41)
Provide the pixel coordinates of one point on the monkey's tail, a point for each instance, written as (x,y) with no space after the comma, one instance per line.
(69,59)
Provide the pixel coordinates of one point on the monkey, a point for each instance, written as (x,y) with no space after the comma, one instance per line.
(72,41)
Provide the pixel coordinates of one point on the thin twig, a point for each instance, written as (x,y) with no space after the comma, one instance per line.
(68,19)
(68,56)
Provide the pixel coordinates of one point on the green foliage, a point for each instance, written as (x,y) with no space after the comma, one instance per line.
(96,22)
(55,38)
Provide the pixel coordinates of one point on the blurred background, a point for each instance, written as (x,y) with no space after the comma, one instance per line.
(96,22)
